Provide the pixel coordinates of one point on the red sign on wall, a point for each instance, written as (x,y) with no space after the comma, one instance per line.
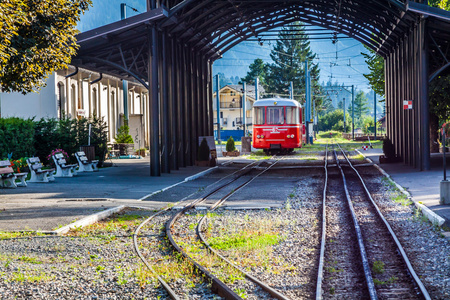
(407,104)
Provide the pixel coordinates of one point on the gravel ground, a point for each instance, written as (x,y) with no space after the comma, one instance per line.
(186,237)
(96,263)
(289,266)
(178,273)
(426,247)
(100,263)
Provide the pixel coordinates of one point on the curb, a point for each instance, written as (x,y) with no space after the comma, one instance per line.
(198,175)
(193,177)
(89,219)
(432,216)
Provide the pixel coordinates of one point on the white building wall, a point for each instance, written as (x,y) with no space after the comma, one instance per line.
(38,105)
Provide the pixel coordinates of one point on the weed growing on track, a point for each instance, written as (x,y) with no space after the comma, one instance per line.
(250,244)
(395,194)
(378,267)
(6,235)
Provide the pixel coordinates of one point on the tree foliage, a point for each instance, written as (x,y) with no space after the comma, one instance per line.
(289,54)
(37,37)
(334,121)
(257,69)
(230,147)
(375,77)
(361,105)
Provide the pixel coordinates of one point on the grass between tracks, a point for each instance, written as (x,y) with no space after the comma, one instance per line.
(249,241)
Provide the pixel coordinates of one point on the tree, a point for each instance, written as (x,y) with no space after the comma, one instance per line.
(37,38)
(289,54)
(361,105)
(375,63)
(334,121)
(257,69)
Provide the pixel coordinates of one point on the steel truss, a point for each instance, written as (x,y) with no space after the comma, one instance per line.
(170,49)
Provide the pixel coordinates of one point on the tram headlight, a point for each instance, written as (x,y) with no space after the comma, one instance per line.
(258,136)
(262,136)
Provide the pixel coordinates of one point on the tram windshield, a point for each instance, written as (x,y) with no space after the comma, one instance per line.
(292,116)
(259,116)
(275,115)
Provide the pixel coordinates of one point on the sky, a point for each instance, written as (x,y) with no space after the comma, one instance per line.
(341,62)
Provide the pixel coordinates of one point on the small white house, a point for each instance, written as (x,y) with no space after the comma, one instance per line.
(231,110)
(84,93)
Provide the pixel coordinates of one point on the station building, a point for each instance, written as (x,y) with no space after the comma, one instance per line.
(83,94)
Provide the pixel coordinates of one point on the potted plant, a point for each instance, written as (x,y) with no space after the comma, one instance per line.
(124,140)
(231,148)
(141,152)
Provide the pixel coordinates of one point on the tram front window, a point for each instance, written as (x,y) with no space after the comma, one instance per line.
(259,115)
(275,115)
(292,116)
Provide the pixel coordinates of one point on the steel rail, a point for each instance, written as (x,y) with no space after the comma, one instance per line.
(324,231)
(169,290)
(362,250)
(274,293)
(216,285)
(405,258)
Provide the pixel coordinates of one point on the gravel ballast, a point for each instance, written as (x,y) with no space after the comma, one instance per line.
(100,263)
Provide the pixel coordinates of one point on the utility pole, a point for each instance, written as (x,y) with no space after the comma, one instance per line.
(123,15)
(218,106)
(375,115)
(256,88)
(308,103)
(343,107)
(244,99)
(291,90)
(353,112)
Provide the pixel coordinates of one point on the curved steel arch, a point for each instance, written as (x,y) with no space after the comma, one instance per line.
(371,22)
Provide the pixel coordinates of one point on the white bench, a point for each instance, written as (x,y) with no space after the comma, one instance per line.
(62,168)
(37,174)
(8,177)
(84,164)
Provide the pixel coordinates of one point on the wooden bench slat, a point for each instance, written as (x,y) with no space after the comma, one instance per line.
(5,163)
(34,160)
(6,170)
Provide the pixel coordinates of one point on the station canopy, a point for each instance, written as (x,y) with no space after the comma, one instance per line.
(212,27)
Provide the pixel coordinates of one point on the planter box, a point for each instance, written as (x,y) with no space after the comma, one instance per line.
(126,149)
(141,153)
(232,154)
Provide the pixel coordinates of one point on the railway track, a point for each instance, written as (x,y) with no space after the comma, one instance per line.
(358,241)
(217,286)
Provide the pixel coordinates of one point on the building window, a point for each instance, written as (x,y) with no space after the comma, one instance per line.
(60,103)
(73,96)
(94,101)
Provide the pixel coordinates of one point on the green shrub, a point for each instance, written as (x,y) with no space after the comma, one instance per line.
(16,137)
(203,151)
(123,135)
(230,145)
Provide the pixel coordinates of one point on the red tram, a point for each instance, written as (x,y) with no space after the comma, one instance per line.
(277,125)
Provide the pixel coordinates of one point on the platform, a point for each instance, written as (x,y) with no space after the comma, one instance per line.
(47,206)
(422,185)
